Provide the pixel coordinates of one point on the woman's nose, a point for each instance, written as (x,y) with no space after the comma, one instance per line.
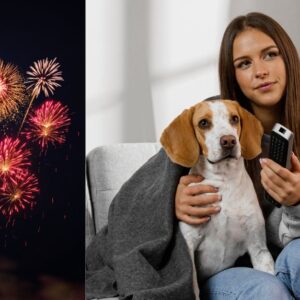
(261,71)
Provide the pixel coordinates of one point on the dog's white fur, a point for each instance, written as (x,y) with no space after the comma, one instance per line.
(239,227)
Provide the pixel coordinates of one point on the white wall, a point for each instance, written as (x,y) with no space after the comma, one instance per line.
(147,60)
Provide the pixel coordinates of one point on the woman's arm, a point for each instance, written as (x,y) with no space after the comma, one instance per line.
(192,204)
(284,186)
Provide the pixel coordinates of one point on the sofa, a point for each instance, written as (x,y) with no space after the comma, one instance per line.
(108,167)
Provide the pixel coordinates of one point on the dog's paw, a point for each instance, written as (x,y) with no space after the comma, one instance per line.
(269,268)
(263,261)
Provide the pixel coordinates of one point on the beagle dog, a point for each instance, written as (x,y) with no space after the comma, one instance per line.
(213,138)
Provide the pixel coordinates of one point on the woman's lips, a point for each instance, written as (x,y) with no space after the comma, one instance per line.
(265,86)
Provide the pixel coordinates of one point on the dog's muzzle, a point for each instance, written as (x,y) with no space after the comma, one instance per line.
(228,145)
(227,142)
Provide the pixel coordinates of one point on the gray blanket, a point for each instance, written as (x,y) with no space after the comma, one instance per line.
(141,254)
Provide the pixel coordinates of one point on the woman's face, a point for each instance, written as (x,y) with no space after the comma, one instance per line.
(259,68)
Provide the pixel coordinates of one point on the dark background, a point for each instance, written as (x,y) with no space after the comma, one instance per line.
(50,238)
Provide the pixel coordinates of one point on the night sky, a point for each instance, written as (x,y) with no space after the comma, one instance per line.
(49,238)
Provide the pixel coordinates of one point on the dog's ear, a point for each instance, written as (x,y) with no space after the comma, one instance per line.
(251,134)
(179,140)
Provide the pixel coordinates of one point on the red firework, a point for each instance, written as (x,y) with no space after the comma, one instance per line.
(48,124)
(13,157)
(18,193)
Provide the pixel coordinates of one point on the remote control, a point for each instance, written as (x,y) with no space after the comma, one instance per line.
(281,147)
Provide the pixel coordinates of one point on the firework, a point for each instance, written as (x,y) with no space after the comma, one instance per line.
(18,194)
(13,157)
(43,77)
(12,90)
(48,124)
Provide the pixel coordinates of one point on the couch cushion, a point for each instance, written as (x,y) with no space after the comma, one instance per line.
(108,167)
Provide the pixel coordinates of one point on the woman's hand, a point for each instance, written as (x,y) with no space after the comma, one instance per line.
(283,185)
(192,205)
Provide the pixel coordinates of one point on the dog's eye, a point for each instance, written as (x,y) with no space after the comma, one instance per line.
(234,120)
(204,124)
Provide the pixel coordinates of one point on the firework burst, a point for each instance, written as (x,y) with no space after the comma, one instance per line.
(48,124)
(18,193)
(13,157)
(43,77)
(12,90)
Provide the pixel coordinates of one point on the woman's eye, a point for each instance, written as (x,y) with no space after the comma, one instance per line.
(270,55)
(204,124)
(234,120)
(243,64)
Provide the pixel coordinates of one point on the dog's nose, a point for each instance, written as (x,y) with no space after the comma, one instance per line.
(227,142)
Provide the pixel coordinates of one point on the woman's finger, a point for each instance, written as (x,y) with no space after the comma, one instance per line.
(275,169)
(192,220)
(202,199)
(196,211)
(197,189)
(272,181)
(188,179)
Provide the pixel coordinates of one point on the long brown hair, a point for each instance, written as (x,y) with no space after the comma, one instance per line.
(229,87)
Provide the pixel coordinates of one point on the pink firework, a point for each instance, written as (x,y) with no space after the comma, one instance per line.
(48,124)
(14,157)
(18,193)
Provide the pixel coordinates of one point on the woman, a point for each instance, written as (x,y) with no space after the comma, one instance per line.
(259,67)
